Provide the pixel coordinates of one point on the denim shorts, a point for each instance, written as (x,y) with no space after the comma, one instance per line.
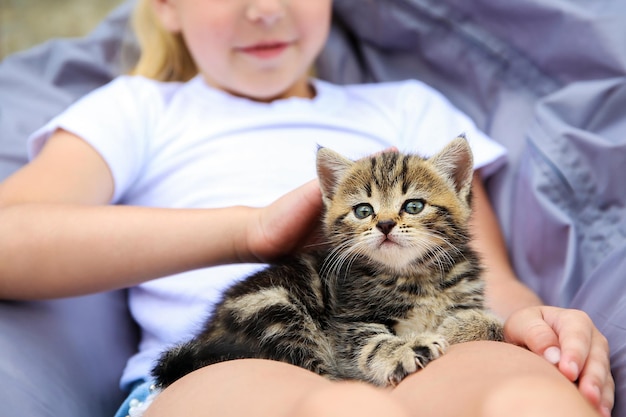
(141,396)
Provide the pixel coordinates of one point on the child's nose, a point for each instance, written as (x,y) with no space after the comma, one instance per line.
(266,11)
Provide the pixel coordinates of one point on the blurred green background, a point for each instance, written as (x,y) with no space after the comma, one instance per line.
(24,23)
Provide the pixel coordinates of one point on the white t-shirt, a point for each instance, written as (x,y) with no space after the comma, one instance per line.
(187,145)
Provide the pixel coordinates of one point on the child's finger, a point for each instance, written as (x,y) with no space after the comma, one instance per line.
(575,331)
(528,328)
(595,381)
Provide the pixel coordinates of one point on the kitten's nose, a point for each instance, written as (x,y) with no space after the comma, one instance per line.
(385,226)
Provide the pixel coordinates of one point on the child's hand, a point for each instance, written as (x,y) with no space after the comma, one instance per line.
(285,225)
(568,339)
(288,224)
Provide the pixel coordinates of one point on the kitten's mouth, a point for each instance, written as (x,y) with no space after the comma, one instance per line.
(388,242)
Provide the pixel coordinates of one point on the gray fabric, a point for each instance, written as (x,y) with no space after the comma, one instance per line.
(545,78)
(64,357)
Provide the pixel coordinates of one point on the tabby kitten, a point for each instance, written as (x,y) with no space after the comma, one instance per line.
(397,283)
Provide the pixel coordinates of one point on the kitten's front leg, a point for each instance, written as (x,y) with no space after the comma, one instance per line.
(469,325)
(370,352)
(391,358)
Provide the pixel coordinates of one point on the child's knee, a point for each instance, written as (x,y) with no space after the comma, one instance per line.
(536,396)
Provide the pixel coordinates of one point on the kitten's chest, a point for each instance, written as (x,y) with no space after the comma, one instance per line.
(404,303)
(426,314)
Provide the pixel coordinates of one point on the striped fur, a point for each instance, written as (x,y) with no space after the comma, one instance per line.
(396,284)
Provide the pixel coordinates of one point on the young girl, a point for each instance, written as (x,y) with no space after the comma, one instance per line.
(157,175)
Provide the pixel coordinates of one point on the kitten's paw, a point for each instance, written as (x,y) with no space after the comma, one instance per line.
(471,325)
(398,361)
(425,348)
(428,347)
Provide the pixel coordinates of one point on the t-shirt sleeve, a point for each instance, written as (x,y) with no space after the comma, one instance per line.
(430,121)
(115,120)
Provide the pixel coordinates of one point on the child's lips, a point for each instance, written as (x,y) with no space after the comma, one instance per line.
(265,50)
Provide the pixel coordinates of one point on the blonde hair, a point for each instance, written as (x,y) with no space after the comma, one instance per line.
(163,55)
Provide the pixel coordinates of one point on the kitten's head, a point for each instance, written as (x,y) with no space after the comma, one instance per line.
(399,211)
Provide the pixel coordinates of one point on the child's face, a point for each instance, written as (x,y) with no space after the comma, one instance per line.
(261,49)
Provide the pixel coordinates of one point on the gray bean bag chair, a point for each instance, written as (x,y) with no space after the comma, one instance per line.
(544,77)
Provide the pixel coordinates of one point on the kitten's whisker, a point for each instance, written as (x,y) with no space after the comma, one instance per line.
(317,245)
(445,241)
(343,259)
(441,255)
(335,260)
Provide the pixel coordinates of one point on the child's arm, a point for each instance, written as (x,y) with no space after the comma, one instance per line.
(58,236)
(577,347)
(505,292)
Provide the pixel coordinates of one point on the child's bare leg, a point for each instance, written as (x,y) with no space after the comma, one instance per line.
(267,388)
(343,399)
(491,379)
(485,379)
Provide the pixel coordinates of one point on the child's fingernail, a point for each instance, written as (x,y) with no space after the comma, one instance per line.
(606,411)
(598,392)
(573,367)
(552,354)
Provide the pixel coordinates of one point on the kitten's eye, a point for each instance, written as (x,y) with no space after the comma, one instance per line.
(414,206)
(363,210)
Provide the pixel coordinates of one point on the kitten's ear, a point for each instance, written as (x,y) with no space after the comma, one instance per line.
(456,162)
(331,167)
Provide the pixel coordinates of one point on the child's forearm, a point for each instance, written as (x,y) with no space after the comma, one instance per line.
(53,250)
(507,296)
(505,293)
